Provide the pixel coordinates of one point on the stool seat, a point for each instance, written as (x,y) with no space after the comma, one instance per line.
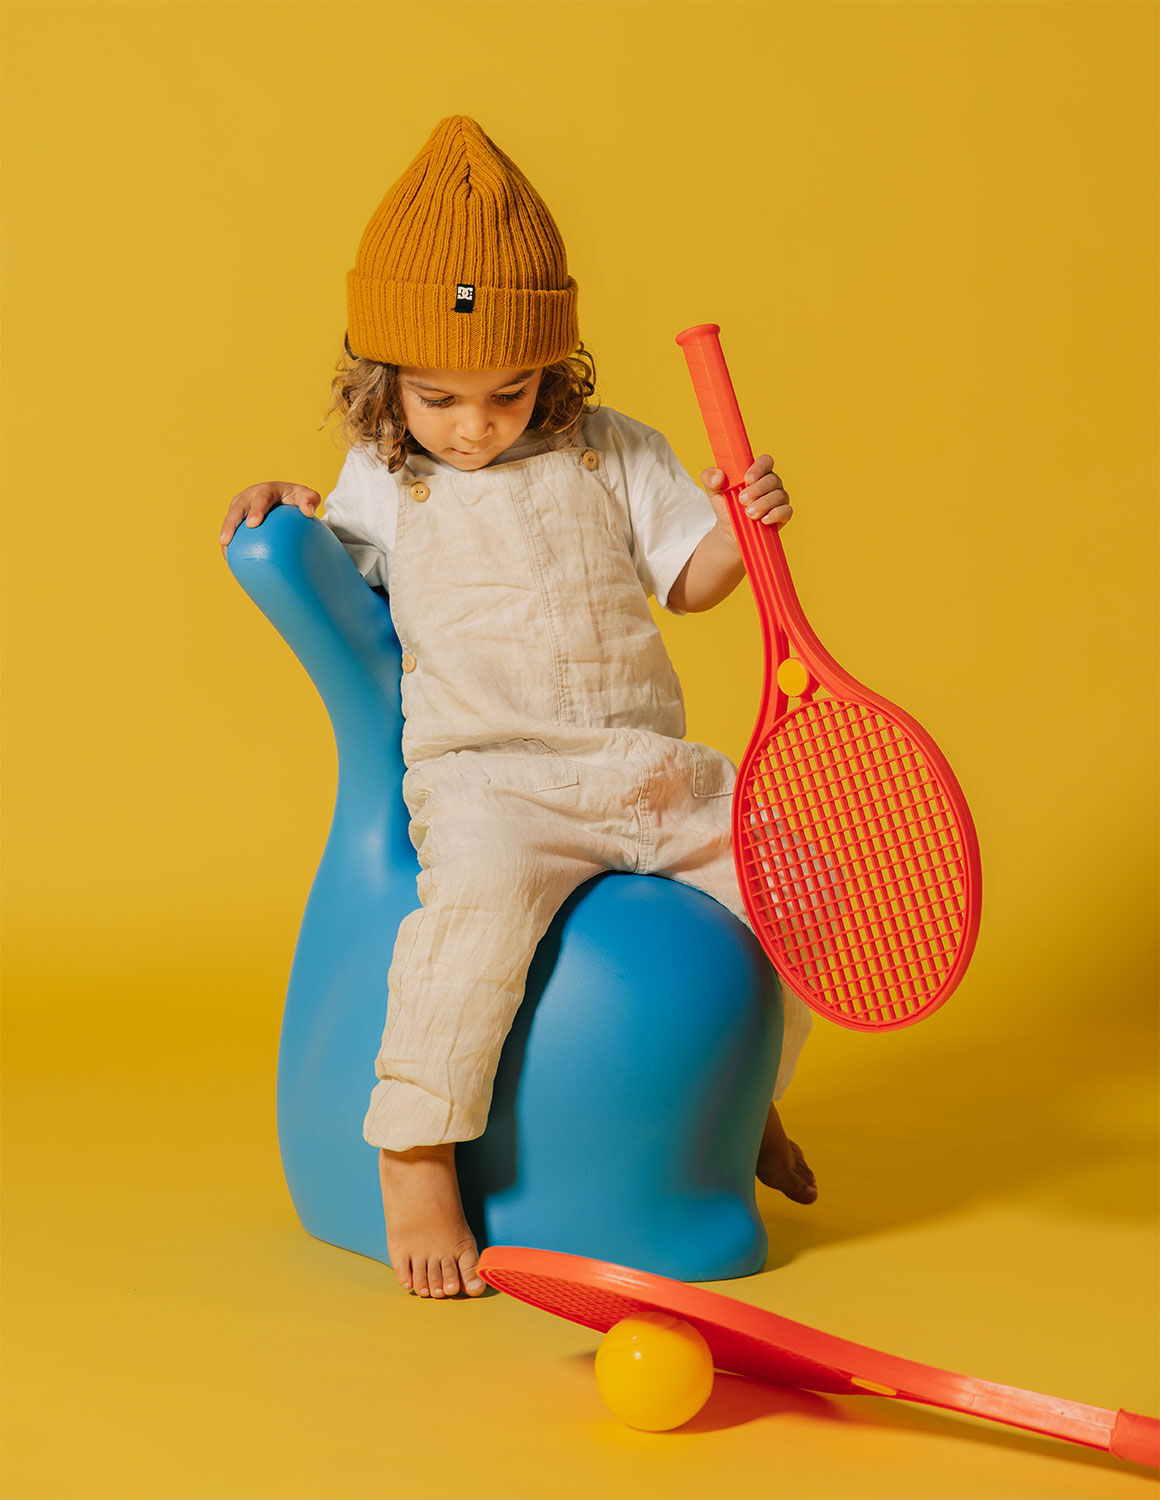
(634,1085)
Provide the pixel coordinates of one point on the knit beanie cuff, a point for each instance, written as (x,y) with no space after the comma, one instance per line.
(405,323)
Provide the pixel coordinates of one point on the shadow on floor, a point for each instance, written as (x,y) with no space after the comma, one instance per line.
(736,1401)
(922,1132)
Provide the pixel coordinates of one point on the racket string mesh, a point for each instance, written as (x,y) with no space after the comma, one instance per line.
(852,859)
(744,1339)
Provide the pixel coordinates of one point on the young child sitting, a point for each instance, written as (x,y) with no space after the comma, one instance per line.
(519,531)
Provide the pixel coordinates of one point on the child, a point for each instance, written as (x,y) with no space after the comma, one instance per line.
(518,531)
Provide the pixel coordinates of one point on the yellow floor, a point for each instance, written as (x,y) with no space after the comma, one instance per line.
(172,1332)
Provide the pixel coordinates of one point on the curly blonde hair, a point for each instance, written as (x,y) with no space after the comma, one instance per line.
(365,398)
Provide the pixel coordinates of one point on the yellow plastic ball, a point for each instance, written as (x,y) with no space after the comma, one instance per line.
(654,1371)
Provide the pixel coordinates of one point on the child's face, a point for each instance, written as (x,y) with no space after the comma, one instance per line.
(467,417)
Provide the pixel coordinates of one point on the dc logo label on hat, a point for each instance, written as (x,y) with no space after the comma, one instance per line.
(464,299)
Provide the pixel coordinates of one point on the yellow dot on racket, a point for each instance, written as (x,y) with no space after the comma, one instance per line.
(872,1385)
(792,677)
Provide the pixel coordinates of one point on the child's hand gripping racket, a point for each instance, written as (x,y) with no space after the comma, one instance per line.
(855,850)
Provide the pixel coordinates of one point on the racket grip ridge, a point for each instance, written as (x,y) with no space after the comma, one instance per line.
(1136,1439)
(732,450)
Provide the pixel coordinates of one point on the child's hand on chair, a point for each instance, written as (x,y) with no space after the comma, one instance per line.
(254,504)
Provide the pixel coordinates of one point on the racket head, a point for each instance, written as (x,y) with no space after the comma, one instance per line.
(743,1339)
(857,859)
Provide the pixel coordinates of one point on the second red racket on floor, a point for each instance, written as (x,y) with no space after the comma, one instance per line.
(856,852)
(765,1346)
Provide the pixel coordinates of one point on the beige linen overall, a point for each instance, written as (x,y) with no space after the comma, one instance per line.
(543,740)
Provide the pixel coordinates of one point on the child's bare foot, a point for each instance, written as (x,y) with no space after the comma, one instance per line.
(781,1165)
(432,1250)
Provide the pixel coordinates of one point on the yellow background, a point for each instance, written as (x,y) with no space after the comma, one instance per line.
(928,233)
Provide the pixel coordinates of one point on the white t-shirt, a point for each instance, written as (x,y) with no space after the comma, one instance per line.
(665,513)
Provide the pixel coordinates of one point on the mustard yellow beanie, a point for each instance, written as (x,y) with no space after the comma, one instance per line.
(462,266)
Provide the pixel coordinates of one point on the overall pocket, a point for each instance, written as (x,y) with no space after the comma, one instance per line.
(525,766)
(713,773)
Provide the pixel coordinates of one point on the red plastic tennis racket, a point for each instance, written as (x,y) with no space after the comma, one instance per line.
(856,853)
(750,1341)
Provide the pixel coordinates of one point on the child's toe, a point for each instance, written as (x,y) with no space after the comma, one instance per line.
(805,1184)
(435,1275)
(403,1273)
(473,1283)
(449,1272)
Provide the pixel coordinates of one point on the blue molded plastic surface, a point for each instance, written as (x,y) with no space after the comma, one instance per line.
(634,1085)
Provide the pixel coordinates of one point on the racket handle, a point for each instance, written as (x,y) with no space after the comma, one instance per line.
(1136,1439)
(718,402)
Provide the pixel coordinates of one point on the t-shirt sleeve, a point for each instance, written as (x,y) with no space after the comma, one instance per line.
(668,512)
(361,510)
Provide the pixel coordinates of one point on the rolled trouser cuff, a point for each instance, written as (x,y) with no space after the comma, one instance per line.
(403,1115)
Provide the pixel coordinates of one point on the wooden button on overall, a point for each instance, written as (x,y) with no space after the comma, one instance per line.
(409,663)
(419,490)
(591,458)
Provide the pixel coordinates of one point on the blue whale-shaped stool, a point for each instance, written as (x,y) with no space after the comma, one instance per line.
(634,1085)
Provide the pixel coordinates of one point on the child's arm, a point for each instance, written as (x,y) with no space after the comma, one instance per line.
(715,568)
(254,504)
